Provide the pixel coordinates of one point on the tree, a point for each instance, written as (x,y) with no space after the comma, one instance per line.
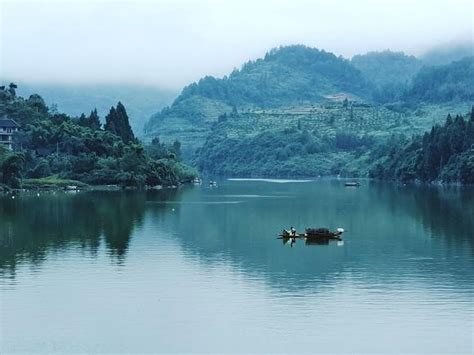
(117,123)
(11,169)
(94,121)
(83,121)
(11,89)
(345,103)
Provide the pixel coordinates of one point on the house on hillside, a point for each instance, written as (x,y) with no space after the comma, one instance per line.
(7,128)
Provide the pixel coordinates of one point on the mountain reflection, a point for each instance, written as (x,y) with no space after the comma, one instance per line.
(391,231)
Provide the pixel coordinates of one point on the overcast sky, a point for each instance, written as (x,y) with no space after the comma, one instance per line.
(171,43)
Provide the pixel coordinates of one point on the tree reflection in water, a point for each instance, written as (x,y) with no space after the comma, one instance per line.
(33,226)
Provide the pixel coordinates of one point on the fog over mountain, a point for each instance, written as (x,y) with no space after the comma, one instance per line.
(172,43)
(141,101)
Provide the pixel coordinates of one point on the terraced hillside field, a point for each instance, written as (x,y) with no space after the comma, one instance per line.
(310,140)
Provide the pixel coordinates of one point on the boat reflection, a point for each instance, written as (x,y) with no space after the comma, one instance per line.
(312,241)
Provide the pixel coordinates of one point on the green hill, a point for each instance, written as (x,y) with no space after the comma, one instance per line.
(387,67)
(53,148)
(292,75)
(304,112)
(451,82)
(307,141)
(389,72)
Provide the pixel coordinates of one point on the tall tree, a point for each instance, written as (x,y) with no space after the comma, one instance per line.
(117,123)
(94,121)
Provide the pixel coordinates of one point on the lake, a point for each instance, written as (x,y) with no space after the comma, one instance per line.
(199,269)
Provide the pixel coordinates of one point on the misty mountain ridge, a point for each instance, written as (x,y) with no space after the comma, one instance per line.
(448,53)
(285,75)
(298,76)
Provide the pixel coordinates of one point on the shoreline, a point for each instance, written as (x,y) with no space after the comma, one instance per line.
(73,185)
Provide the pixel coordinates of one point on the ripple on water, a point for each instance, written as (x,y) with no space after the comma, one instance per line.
(276,181)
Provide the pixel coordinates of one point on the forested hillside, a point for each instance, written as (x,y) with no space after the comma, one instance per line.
(291,75)
(390,73)
(451,82)
(304,112)
(444,154)
(286,75)
(51,147)
(307,141)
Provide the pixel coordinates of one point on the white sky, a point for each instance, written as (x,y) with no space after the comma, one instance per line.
(171,43)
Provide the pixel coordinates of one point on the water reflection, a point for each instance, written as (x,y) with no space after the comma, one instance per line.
(383,221)
(185,270)
(393,232)
(33,226)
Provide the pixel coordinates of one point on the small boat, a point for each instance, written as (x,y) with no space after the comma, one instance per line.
(352,184)
(315,233)
(287,235)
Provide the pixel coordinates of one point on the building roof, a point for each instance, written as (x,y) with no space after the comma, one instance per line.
(8,123)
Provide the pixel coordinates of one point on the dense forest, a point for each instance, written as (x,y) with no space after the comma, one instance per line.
(448,82)
(53,147)
(389,72)
(445,154)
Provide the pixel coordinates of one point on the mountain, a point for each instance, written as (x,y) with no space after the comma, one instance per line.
(447,53)
(451,82)
(301,112)
(141,100)
(389,72)
(387,67)
(286,76)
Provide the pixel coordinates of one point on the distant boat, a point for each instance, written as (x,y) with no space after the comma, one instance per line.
(313,233)
(352,183)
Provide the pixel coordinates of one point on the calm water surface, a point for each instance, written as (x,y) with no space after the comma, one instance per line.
(200,270)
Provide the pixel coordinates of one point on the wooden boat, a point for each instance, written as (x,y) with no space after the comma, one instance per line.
(287,235)
(352,184)
(315,233)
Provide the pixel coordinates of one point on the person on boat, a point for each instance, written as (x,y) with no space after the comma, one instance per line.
(292,231)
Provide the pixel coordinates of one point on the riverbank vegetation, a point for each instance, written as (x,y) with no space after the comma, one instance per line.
(51,144)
